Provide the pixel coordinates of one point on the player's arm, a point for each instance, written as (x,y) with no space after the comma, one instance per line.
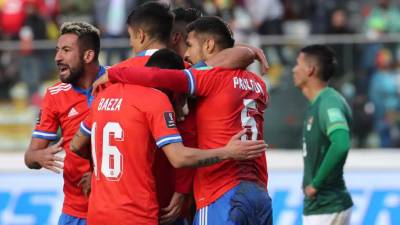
(239,57)
(39,154)
(179,81)
(181,156)
(80,143)
(338,132)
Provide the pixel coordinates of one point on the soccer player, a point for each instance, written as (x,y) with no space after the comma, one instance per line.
(124,131)
(326,139)
(228,100)
(65,105)
(182,17)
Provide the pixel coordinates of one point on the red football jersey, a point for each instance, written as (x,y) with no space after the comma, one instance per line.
(65,106)
(127,128)
(169,180)
(227,102)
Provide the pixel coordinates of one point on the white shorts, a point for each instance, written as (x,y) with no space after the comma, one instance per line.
(339,218)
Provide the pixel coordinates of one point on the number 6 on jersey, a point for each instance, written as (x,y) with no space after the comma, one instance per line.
(111,158)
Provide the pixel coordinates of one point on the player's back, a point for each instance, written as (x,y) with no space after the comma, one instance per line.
(123,191)
(229,100)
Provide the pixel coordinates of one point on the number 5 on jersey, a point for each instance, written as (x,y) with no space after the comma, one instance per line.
(248,121)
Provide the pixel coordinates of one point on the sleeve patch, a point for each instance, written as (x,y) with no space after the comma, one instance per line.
(335,115)
(169,118)
(38,119)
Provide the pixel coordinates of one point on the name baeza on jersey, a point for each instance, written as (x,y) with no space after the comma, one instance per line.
(109,104)
(247,84)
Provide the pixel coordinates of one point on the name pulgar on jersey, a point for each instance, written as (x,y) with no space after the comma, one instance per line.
(126,130)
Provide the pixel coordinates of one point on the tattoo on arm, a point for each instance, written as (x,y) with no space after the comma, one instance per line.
(208,161)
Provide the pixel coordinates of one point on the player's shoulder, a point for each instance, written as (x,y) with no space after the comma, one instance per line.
(134,61)
(58,88)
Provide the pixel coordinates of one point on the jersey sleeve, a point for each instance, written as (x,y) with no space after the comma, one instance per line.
(47,123)
(86,124)
(172,80)
(203,82)
(332,116)
(162,123)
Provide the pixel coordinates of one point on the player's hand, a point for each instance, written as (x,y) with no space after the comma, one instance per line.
(170,213)
(243,150)
(48,159)
(99,82)
(85,183)
(310,191)
(260,56)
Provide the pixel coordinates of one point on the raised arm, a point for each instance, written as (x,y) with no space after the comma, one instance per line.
(238,57)
(181,156)
(174,80)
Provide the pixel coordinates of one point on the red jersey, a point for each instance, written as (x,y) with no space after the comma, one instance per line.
(169,179)
(227,102)
(65,106)
(126,131)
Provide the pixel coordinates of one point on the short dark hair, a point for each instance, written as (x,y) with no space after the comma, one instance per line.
(325,58)
(166,59)
(187,15)
(216,27)
(153,17)
(88,36)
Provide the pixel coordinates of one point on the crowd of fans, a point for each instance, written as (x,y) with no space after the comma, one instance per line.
(371,82)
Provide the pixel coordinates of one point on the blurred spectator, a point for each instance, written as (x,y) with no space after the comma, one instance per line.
(267,18)
(384,94)
(318,14)
(76,10)
(339,25)
(110,16)
(339,22)
(31,60)
(12,17)
(383,17)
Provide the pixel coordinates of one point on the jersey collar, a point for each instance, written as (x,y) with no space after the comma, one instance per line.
(200,64)
(88,92)
(148,52)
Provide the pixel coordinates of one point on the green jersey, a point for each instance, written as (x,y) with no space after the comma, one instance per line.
(327,112)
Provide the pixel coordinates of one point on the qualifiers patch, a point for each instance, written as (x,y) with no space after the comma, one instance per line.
(335,115)
(170,119)
(39,117)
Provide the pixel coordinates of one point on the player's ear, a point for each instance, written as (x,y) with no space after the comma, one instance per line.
(209,45)
(88,56)
(175,37)
(311,70)
(141,35)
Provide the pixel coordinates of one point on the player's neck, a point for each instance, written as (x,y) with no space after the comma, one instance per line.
(153,44)
(88,77)
(311,91)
